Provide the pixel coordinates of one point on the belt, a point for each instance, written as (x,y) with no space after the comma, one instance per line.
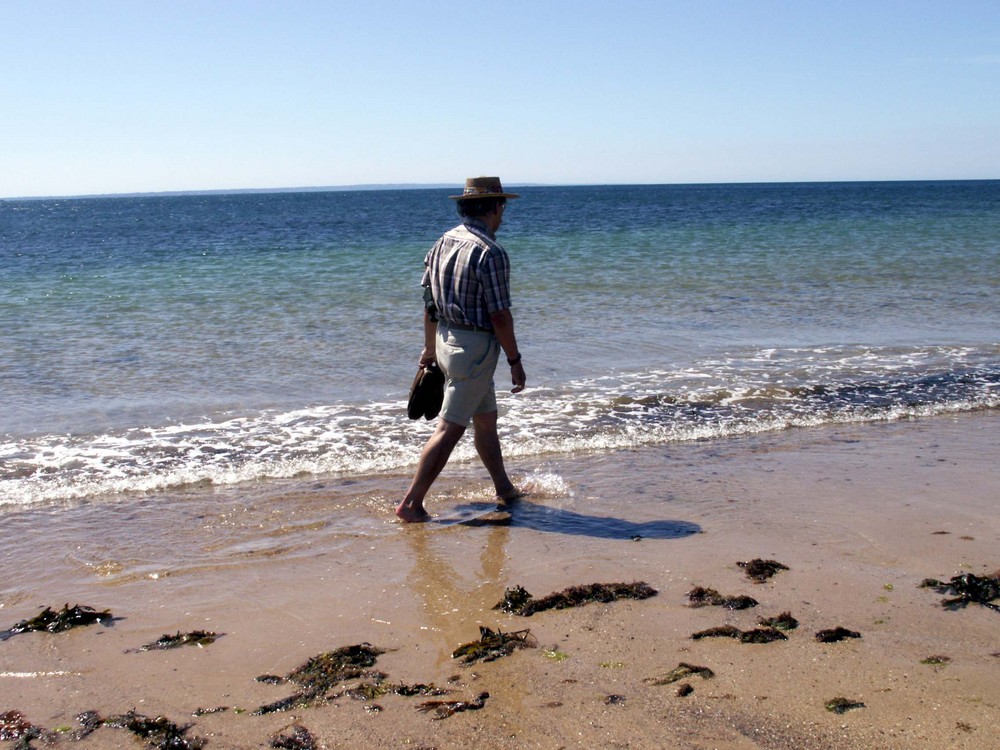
(464,327)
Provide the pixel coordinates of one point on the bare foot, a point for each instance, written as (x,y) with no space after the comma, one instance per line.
(511,497)
(409,514)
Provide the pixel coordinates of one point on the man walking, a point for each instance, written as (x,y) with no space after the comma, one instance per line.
(467,321)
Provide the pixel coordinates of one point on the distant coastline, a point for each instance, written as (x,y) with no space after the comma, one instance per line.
(240,191)
(439,186)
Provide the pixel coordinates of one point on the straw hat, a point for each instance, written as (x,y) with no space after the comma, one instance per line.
(483,187)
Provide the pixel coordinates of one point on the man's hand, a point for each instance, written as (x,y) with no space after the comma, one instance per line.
(518,378)
(503,327)
(427,356)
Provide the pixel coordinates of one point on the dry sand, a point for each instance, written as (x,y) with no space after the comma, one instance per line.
(860,515)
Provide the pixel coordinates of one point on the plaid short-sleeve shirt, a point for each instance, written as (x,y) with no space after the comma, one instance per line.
(468,274)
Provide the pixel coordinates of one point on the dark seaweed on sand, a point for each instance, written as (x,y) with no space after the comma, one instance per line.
(784,621)
(519,602)
(14,726)
(759,570)
(936,661)
(514,599)
(302,699)
(762,635)
(492,645)
(444,709)
(723,631)
(194,638)
(159,733)
(369,691)
(842,705)
(295,737)
(326,670)
(833,635)
(90,721)
(680,672)
(321,673)
(209,711)
(702,597)
(65,619)
(967,588)
(757,635)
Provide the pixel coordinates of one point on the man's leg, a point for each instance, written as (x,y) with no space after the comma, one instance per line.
(433,458)
(488,446)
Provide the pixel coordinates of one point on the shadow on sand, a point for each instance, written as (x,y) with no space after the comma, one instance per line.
(528,515)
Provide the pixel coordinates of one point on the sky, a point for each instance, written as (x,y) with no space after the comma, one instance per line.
(104,97)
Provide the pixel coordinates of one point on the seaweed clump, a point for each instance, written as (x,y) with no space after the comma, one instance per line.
(14,726)
(492,645)
(842,705)
(833,635)
(757,635)
(321,673)
(90,722)
(65,619)
(784,621)
(159,733)
(295,737)
(967,588)
(519,602)
(936,661)
(723,631)
(369,691)
(444,709)
(758,570)
(701,597)
(514,599)
(680,672)
(762,635)
(199,638)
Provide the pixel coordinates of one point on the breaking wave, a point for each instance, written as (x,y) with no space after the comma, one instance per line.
(740,394)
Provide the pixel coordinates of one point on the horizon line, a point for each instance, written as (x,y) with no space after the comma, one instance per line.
(359,187)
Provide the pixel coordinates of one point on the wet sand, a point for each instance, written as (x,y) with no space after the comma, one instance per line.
(859,514)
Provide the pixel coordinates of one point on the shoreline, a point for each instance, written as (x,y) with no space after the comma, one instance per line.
(860,514)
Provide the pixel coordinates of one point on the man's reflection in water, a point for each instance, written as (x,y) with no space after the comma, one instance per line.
(457,598)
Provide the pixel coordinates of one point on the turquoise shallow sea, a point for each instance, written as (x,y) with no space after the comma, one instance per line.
(169,343)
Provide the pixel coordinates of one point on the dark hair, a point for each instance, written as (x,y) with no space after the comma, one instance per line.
(479,206)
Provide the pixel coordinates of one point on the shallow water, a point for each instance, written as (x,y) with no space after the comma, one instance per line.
(167,344)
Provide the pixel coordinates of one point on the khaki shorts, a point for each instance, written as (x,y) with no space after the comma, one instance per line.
(468,360)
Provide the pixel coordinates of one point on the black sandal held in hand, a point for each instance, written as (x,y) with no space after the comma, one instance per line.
(426,393)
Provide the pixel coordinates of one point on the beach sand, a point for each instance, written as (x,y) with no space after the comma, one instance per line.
(859,514)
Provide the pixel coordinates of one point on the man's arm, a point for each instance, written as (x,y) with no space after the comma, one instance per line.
(503,327)
(429,354)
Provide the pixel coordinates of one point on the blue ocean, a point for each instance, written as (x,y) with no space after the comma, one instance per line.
(153,344)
